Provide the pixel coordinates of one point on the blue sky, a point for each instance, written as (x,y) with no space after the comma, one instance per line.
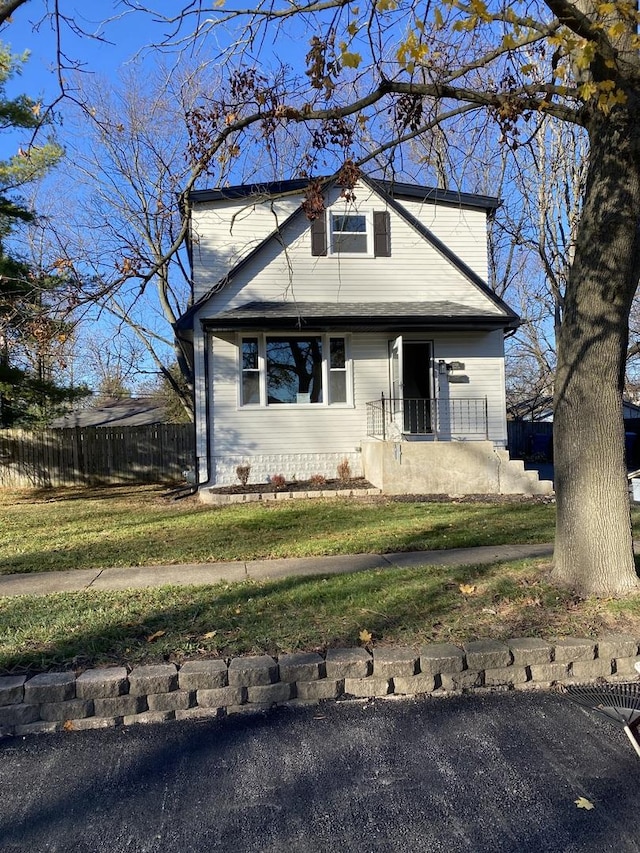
(28,30)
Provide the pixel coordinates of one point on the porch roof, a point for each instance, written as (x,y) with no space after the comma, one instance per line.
(359,316)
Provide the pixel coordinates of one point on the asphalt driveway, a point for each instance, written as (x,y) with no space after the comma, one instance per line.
(493,772)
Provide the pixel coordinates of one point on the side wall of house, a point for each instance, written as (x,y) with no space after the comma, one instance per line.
(223,232)
(299,441)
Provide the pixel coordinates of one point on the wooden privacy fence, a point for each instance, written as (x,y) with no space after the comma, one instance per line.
(96,455)
(528,439)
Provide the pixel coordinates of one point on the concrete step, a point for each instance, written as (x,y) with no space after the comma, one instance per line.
(515,479)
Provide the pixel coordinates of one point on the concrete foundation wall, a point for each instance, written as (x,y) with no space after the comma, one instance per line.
(465,468)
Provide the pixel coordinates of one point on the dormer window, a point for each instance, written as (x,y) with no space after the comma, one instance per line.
(362,235)
(349,233)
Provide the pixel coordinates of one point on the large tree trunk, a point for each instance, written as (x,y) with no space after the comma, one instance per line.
(594,549)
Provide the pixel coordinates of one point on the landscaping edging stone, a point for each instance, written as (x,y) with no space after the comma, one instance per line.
(212,497)
(101,698)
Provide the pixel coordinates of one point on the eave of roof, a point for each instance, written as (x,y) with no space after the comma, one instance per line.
(433,195)
(379,316)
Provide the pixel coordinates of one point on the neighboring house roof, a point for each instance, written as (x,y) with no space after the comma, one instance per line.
(630,410)
(541,409)
(321,316)
(388,191)
(130,411)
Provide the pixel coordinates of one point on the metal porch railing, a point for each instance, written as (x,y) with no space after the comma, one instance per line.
(462,417)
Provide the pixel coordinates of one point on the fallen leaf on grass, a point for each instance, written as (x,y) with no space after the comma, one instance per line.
(153,637)
(467,588)
(584,803)
(209,635)
(365,636)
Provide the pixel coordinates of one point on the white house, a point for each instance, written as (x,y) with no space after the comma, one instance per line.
(366,333)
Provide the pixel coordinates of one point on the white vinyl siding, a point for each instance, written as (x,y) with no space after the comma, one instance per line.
(224,232)
(253,431)
(227,231)
(415,272)
(463,230)
(483,358)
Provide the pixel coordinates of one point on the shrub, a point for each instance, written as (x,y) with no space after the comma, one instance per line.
(318,479)
(242,473)
(277,481)
(344,470)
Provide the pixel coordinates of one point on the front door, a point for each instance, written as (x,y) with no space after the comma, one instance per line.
(411,383)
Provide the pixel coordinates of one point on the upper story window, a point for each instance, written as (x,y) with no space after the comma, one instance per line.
(294,369)
(353,234)
(349,233)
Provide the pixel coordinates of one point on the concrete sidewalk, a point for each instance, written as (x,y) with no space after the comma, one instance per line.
(208,573)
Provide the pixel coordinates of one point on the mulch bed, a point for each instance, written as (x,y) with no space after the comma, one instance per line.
(358,483)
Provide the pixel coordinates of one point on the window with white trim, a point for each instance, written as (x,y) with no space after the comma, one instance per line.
(294,370)
(250,370)
(337,370)
(349,234)
(364,235)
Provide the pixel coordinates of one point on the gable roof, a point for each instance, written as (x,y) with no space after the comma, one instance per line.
(433,195)
(387,190)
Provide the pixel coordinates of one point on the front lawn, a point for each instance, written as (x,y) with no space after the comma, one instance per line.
(381,607)
(60,529)
(73,529)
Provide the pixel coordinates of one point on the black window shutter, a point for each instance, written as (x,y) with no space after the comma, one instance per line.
(319,236)
(381,234)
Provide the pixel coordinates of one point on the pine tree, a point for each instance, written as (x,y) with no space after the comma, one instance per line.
(32,324)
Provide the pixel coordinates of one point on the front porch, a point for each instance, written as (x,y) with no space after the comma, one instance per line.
(441,419)
(447,467)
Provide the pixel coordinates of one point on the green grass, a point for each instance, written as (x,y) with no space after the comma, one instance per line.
(396,606)
(57,530)
(69,529)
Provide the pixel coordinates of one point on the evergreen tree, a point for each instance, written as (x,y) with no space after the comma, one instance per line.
(32,324)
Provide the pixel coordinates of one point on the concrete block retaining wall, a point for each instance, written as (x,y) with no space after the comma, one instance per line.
(101,698)
(206,495)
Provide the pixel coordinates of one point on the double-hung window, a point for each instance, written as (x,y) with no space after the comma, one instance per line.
(294,370)
(349,234)
(355,235)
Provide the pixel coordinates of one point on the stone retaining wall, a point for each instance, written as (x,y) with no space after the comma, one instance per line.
(100,698)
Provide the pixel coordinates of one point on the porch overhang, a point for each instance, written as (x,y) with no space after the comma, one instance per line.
(360,317)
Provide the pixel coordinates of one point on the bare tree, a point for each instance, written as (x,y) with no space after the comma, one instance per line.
(379,75)
(126,175)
